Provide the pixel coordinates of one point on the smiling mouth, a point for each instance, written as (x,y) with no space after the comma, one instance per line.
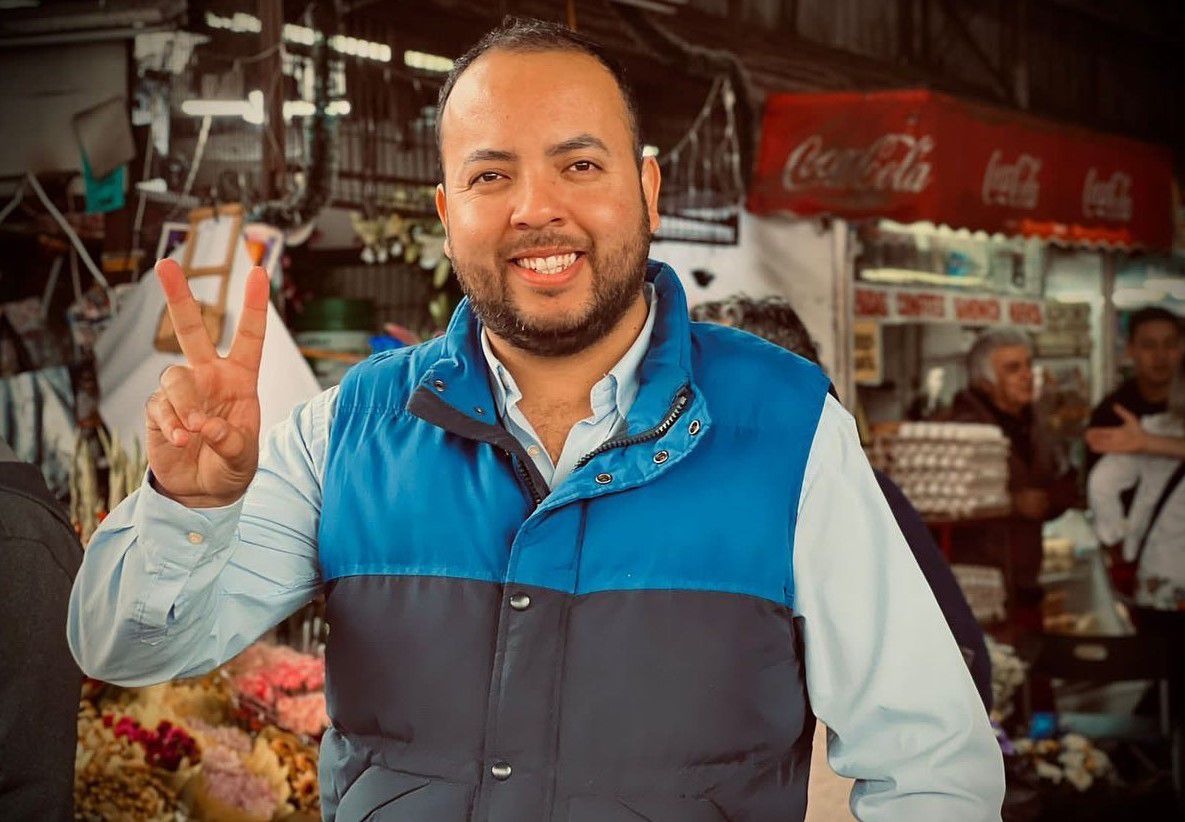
(555,264)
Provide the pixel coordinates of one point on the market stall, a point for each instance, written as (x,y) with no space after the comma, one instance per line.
(961,215)
(950,218)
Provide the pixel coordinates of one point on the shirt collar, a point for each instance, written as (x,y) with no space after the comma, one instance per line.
(616,391)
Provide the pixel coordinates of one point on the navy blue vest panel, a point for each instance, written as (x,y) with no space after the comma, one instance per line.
(624,647)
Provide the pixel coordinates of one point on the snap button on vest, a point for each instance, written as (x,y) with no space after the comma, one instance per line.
(438,385)
(661,457)
(604,479)
(501,771)
(520,602)
(693,429)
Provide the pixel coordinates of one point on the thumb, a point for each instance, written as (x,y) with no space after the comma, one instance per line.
(226,440)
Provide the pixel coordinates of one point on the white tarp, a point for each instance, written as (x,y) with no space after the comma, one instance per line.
(130,366)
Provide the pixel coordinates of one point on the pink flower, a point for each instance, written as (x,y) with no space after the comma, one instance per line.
(303,714)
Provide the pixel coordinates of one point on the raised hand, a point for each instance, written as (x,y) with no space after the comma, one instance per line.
(203,422)
(1128,438)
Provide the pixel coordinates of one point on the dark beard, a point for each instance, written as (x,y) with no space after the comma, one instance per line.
(617,282)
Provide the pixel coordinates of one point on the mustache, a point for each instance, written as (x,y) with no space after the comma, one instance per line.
(544,239)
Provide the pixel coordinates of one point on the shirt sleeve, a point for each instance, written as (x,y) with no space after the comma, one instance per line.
(167,591)
(1112,475)
(883,672)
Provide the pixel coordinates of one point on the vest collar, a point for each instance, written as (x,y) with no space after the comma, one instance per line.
(454,391)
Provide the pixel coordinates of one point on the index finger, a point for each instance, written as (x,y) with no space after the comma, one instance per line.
(247,348)
(185,313)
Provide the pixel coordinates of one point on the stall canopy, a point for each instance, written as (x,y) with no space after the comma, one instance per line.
(917,155)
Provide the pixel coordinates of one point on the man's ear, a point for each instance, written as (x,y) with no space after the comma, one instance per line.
(442,213)
(651,184)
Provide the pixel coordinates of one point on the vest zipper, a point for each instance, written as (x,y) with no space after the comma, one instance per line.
(682,400)
(522,471)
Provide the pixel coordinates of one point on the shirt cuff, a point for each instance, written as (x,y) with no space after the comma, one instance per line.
(176,540)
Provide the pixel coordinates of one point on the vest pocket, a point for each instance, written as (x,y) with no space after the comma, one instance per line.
(383,795)
(608,809)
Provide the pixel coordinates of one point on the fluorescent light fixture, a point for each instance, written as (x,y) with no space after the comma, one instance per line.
(242,23)
(649,151)
(215,108)
(901,275)
(427,62)
(303,108)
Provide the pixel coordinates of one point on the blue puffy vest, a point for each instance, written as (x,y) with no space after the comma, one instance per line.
(622,648)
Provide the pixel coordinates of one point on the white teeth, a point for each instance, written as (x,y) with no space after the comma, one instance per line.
(547,265)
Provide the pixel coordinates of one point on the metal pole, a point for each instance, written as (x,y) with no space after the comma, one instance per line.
(842,276)
(271,83)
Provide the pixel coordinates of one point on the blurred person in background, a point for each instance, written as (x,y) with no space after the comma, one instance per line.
(1151,533)
(1001,392)
(39,682)
(1156,345)
(775,320)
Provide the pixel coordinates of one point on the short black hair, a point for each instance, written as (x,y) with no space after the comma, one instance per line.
(1151,314)
(771,318)
(526,34)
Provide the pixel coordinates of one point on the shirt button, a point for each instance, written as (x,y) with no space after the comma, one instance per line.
(520,602)
(501,771)
(195,538)
(533,450)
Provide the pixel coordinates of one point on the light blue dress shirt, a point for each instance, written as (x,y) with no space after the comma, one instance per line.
(611,399)
(166,591)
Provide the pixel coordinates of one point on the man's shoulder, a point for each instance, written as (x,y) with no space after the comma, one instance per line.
(733,367)
(394,373)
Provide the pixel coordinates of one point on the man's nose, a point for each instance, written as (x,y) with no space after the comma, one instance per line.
(538,204)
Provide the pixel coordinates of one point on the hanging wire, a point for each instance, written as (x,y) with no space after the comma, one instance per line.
(14,202)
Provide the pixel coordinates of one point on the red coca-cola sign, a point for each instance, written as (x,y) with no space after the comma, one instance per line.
(918,155)
(891,162)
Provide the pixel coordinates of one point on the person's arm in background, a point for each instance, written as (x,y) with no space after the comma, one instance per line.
(941,579)
(167,591)
(1112,475)
(1132,438)
(39,682)
(883,671)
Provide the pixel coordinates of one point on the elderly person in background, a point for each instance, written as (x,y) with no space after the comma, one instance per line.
(1001,392)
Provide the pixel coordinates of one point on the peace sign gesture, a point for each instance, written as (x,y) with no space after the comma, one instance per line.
(203,422)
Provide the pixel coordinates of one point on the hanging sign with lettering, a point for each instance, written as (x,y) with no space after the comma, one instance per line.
(919,155)
(891,304)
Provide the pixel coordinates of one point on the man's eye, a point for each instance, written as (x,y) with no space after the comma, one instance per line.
(583,165)
(486,177)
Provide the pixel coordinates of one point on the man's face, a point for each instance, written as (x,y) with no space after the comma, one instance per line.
(1156,350)
(1013,367)
(547,216)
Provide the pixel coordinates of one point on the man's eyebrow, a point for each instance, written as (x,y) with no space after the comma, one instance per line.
(577,143)
(486,155)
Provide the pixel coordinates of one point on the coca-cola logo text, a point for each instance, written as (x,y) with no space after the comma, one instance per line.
(1107,199)
(1012,184)
(893,162)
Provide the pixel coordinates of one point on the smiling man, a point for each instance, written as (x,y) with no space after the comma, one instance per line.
(565,578)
